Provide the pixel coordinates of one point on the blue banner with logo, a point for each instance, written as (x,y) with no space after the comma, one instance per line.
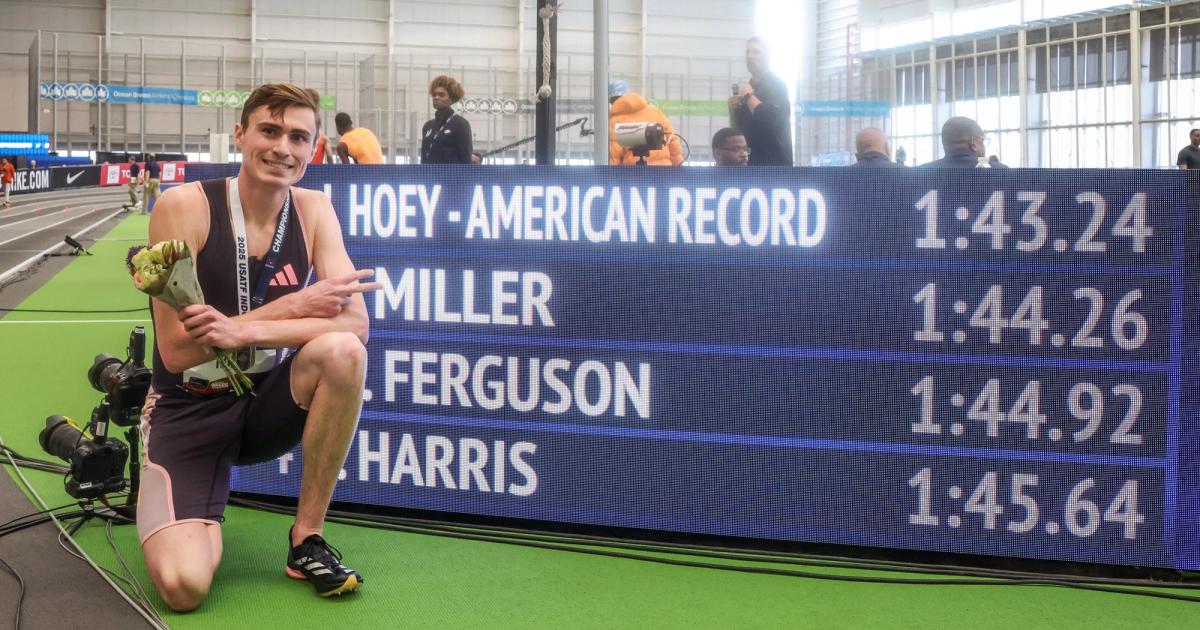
(860,109)
(983,362)
(101,92)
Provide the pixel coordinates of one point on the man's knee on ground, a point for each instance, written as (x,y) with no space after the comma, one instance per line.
(183,587)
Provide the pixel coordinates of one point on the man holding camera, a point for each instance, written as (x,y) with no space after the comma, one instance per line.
(255,239)
(762,110)
(630,107)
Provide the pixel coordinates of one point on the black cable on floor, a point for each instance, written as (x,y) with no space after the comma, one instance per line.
(35,464)
(43,514)
(4,531)
(20,597)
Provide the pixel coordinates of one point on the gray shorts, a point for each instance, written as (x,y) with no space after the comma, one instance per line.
(190,444)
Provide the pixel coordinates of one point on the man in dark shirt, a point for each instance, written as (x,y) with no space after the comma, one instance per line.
(762,110)
(871,149)
(135,172)
(963,141)
(729,148)
(1189,156)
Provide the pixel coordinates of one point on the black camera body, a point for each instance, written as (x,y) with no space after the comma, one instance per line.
(97,466)
(98,462)
(123,383)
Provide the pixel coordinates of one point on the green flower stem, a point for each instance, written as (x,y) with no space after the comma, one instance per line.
(238,381)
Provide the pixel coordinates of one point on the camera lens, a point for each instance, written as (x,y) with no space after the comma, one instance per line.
(60,437)
(102,370)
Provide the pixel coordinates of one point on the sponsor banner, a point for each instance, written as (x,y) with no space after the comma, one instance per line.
(484,105)
(851,109)
(31,181)
(235,99)
(835,158)
(111,93)
(118,174)
(101,92)
(221,98)
(674,107)
(150,94)
(75,176)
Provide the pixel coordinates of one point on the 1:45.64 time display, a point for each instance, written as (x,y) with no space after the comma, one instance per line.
(1014,503)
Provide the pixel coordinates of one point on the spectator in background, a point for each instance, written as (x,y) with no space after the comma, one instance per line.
(359,143)
(153,181)
(729,148)
(1189,156)
(871,149)
(901,156)
(630,107)
(135,176)
(7,175)
(446,138)
(964,143)
(994,162)
(762,110)
(321,152)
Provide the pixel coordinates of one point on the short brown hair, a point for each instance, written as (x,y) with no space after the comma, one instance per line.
(280,96)
(450,84)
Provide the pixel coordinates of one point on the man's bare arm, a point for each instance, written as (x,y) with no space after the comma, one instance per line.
(181,213)
(335,304)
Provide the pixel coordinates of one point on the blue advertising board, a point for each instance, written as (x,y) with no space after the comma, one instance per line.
(24,144)
(982,362)
(863,109)
(101,92)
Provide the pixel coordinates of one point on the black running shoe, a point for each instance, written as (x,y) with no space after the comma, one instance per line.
(318,562)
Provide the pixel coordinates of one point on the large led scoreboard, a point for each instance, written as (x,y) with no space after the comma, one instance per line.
(983,362)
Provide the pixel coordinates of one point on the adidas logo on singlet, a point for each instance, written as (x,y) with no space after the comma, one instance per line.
(285,277)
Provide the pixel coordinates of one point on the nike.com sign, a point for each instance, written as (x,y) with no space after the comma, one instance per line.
(35,180)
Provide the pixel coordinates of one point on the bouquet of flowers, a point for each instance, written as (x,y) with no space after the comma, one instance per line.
(167,272)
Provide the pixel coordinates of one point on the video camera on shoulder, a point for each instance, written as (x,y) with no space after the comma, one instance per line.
(97,461)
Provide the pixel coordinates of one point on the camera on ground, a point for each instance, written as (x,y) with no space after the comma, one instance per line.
(98,462)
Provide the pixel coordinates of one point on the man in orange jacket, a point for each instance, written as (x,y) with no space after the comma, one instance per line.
(626,107)
(7,175)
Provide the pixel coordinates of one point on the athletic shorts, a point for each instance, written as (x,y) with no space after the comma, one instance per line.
(190,443)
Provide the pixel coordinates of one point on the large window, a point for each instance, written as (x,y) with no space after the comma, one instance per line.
(1078,91)
(1170,86)
(976,77)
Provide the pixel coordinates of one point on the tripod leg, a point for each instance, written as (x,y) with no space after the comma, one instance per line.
(132,438)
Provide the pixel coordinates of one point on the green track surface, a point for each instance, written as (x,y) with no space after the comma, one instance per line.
(426,581)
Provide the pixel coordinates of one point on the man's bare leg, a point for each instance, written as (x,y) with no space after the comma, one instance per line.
(327,378)
(181,560)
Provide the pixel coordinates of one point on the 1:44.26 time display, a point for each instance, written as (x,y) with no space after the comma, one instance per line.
(1096,324)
